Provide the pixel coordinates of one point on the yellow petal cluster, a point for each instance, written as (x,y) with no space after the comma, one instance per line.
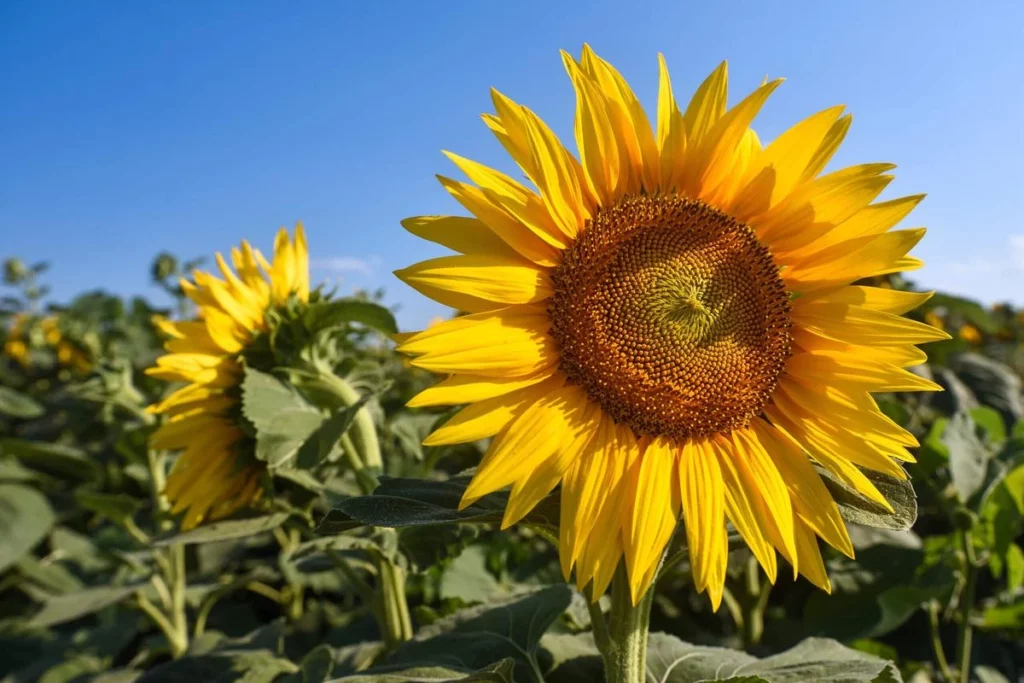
(216,472)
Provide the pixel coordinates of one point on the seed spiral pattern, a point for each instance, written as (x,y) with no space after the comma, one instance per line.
(672,316)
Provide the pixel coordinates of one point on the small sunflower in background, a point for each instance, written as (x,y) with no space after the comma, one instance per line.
(15,345)
(217,472)
(970,334)
(934,318)
(19,343)
(666,327)
(68,354)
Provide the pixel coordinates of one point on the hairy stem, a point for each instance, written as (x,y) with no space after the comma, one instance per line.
(626,658)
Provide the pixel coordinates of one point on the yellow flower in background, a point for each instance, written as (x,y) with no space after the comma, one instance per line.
(68,354)
(14,344)
(217,472)
(935,320)
(667,327)
(970,334)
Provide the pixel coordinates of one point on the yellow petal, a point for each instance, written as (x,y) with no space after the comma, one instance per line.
(459,233)
(469,389)
(810,497)
(542,429)
(852,260)
(510,342)
(492,278)
(707,105)
(595,137)
(859,325)
(672,138)
(703,505)
(504,224)
(531,489)
(651,519)
(828,147)
(876,298)
(743,505)
(487,417)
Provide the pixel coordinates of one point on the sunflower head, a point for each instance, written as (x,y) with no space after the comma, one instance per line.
(217,471)
(666,326)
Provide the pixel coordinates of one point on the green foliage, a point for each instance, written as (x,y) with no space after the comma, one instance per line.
(98,584)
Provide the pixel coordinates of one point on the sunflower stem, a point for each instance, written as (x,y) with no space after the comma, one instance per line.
(626,658)
(965,635)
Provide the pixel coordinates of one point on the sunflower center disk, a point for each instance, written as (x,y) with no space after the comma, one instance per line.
(672,316)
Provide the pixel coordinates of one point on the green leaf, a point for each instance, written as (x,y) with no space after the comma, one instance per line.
(317,665)
(815,660)
(468,578)
(856,509)
(472,638)
(994,383)
(117,507)
(365,313)
(319,445)
(1009,616)
(1014,567)
(264,398)
(25,519)
(254,666)
(987,674)
(18,405)
(70,606)
(968,456)
(880,590)
(499,672)
(1001,513)
(990,422)
(52,458)
(226,530)
(574,658)
(404,502)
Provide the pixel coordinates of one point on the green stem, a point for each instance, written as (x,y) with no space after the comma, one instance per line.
(158,479)
(396,623)
(363,430)
(626,658)
(178,644)
(940,653)
(966,632)
(178,581)
(758,593)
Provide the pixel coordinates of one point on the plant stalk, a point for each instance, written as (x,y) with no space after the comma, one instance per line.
(965,634)
(396,621)
(625,660)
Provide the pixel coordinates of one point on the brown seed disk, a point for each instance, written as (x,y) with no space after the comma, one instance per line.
(672,316)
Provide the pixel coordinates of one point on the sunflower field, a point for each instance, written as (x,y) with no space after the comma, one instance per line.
(690,420)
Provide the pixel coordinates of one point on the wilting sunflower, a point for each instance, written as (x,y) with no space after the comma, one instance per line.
(667,327)
(217,472)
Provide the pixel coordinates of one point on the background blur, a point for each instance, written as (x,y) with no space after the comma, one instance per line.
(128,128)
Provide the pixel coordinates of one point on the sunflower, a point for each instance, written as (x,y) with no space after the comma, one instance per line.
(666,327)
(217,472)
(15,346)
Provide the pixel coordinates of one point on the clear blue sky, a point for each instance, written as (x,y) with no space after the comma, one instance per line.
(131,127)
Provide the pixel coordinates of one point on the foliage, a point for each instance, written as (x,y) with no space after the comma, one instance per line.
(369,572)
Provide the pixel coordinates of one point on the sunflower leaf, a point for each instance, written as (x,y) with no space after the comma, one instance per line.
(857,509)
(815,660)
(473,638)
(25,519)
(17,404)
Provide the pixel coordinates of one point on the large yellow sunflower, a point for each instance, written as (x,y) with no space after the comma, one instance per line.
(217,472)
(667,327)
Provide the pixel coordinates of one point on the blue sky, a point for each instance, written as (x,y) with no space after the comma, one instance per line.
(131,127)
